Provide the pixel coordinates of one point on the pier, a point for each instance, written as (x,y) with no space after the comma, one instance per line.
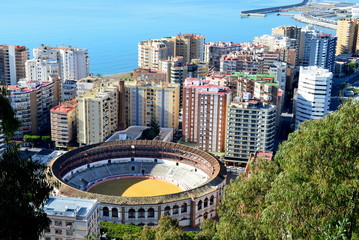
(322,22)
(273,9)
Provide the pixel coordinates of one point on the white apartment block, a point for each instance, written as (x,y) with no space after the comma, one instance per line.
(71,218)
(73,62)
(86,84)
(313,97)
(250,128)
(151,52)
(68,90)
(97,114)
(275,42)
(279,70)
(306,35)
(41,69)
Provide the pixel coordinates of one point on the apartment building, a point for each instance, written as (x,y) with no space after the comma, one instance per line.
(213,52)
(146,74)
(189,46)
(250,128)
(313,97)
(97,113)
(347,33)
(39,69)
(86,84)
(71,218)
(12,63)
(151,52)
(275,42)
(204,110)
(73,62)
(32,102)
(307,34)
(147,99)
(288,31)
(64,123)
(322,51)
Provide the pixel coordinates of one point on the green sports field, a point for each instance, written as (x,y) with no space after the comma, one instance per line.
(135,187)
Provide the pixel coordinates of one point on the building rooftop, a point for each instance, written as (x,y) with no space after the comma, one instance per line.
(65,107)
(69,207)
(135,132)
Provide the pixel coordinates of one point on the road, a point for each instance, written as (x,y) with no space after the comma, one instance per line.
(335,100)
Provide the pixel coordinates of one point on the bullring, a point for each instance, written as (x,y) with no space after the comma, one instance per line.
(201,176)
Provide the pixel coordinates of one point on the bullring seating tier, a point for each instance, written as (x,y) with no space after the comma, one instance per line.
(183,174)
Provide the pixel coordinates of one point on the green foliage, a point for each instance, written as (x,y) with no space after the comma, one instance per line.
(23,186)
(208,232)
(153,131)
(8,123)
(311,185)
(31,138)
(353,65)
(169,229)
(119,231)
(24,189)
(46,138)
(92,236)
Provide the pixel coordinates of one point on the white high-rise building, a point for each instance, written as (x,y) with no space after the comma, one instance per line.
(73,62)
(279,70)
(38,69)
(313,97)
(306,35)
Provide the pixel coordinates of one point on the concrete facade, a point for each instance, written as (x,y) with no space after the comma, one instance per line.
(97,114)
(314,89)
(12,63)
(147,99)
(71,218)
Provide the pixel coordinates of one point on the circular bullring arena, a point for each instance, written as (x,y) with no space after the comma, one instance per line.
(137,181)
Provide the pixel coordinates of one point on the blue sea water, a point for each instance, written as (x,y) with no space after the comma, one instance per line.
(111,29)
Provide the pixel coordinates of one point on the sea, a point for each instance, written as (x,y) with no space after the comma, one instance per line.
(111,29)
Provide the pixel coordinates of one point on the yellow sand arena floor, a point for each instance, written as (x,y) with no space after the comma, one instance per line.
(135,187)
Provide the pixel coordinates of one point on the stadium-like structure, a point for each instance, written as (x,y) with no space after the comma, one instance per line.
(199,173)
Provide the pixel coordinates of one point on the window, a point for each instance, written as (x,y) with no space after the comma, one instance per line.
(167,210)
(58,231)
(69,232)
(131,213)
(141,213)
(58,223)
(114,212)
(151,213)
(175,209)
(68,224)
(199,205)
(106,212)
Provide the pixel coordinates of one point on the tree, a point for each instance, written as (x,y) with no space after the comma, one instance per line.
(169,229)
(309,189)
(9,124)
(24,189)
(153,130)
(23,185)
